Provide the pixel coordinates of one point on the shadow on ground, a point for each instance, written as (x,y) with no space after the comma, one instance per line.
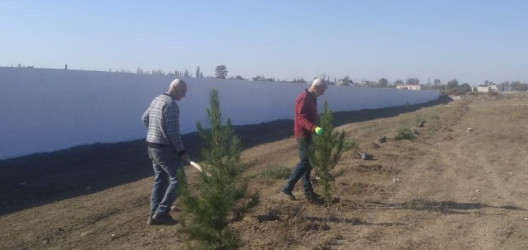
(446,207)
(353,221)
(47,177)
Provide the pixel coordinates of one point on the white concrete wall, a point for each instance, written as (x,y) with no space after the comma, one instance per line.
(44,110)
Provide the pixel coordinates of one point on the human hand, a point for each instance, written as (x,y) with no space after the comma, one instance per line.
(318,131)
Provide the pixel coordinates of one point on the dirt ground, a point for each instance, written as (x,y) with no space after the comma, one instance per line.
(461,184)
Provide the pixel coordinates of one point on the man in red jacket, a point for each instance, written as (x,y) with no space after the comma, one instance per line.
(305,119)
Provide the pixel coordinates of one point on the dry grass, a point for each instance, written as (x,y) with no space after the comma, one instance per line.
(450,188)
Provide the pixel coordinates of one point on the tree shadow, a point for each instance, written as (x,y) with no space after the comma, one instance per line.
(37,179)
(353,221)
(275,215)
(446,207)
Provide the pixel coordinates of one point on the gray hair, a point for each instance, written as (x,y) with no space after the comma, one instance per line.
(176,82)
(319,83)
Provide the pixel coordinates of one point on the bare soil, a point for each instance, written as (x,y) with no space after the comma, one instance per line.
(461,184)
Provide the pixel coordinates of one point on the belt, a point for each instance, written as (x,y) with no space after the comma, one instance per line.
(157,145)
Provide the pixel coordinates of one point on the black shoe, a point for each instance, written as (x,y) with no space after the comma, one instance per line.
(311,196)
(315,195)
(163,219)
(287,194)
(152,222)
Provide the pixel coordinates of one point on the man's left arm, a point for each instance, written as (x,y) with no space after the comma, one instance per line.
(145,117)
(303,112)
(172,125)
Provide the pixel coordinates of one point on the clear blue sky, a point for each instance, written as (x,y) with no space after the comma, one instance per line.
(469,40)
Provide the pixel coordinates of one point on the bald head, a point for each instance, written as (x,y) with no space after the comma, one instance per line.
(177,89)
(318,87)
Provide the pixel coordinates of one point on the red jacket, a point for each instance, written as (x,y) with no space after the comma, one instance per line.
(305,115)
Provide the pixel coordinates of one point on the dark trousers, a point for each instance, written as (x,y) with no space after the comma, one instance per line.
(165,164)
(302,170)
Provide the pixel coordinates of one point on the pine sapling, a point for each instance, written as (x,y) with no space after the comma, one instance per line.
(325,152)
(221,197)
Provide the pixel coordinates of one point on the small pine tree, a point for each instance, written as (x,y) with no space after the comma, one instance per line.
(404,134)
(222,196)
(325,152)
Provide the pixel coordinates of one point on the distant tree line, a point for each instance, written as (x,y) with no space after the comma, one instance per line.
(507,85)
(24,66)
(451,86)
(175,73)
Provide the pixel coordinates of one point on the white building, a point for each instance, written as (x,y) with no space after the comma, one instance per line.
(483,89)
(409,86)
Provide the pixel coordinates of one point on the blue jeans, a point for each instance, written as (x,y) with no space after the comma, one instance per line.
(166,165)
(303,168)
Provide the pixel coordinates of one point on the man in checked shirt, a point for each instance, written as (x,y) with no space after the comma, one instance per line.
(165,149)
